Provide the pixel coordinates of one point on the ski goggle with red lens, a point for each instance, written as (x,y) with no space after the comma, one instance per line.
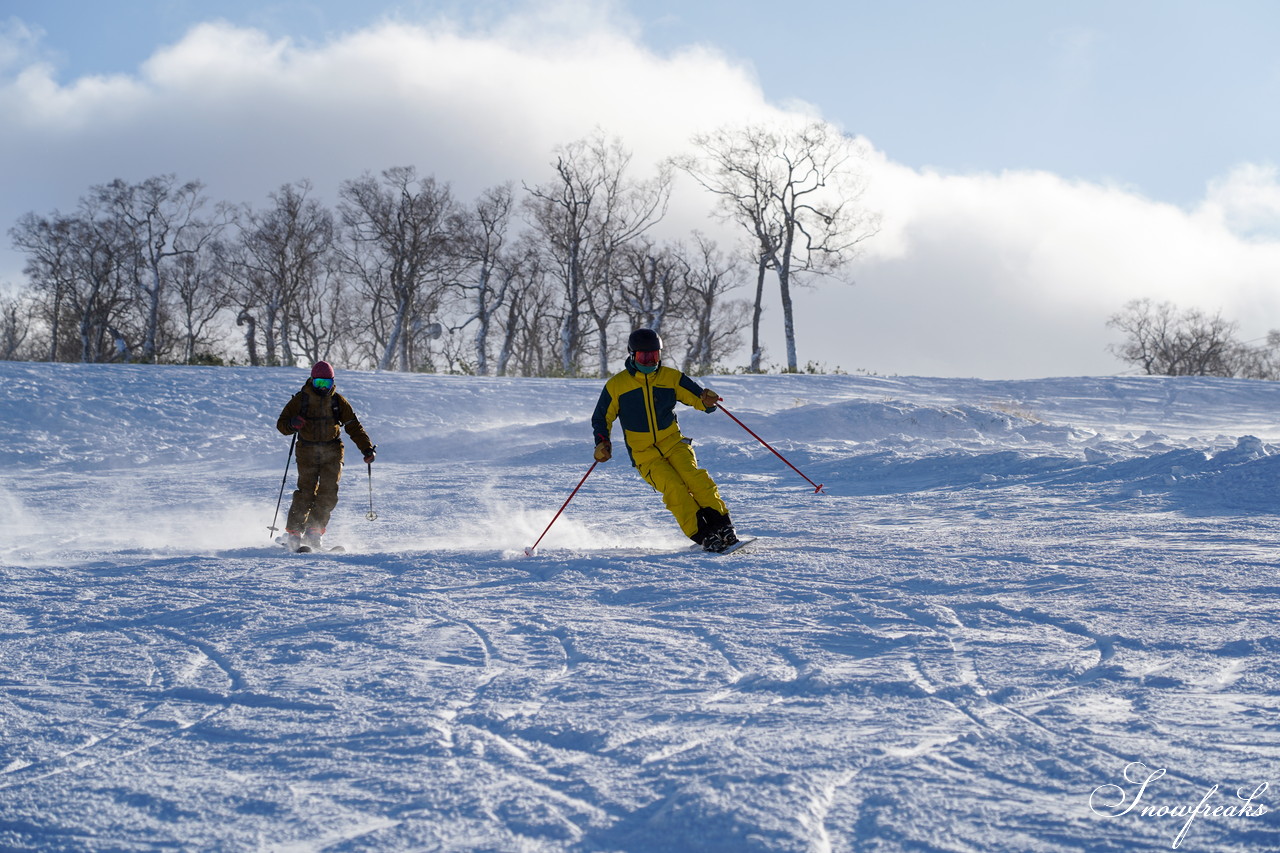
(321,384)
(648,358)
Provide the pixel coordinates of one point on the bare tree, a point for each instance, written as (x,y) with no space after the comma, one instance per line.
(324,318)
(202,292)
(280,257)
(398,247)
(16,315)
(797,194)
(48,245)
(530,319)
(80,268)
(651,284)
(1164,341)
(583,218)
(101,298)
(160,218)
(714,323)
(487,270)
(1259,362)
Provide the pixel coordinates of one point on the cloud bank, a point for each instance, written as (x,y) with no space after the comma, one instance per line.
(995,275)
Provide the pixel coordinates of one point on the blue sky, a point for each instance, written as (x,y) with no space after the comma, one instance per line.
(1150,120)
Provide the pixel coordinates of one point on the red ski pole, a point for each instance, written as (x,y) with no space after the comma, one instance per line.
(528,552)
(817,487)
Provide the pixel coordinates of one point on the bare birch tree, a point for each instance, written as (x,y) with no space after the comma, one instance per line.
(281,255)
(487,270)
(16,315)
(161,218)
(583,217)
(796,192)
(81,269)
(714,323)
(530,320)
(102,276)
(47,243)
(651,284)
(201,292)
(398,247)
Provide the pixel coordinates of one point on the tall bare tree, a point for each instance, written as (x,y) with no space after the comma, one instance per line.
(281,254)
(487,270)
(714,323)
(583,217)
(398,247)
(81,268)
(16,315)
(47,242)
(103,276)
(530,320)
(202,292)
(651,284)
(160,218)
(797,193)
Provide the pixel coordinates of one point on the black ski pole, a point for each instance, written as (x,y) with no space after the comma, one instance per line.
(371,515)
(280,499)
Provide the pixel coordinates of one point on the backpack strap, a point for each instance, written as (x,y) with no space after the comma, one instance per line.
(306,398)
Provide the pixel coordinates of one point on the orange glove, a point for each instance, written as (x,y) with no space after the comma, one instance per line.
(604,451)
(709,399)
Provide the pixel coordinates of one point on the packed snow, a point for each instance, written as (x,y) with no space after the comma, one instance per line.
(1022,616)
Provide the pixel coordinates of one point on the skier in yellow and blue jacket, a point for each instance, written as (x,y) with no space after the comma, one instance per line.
(643,397)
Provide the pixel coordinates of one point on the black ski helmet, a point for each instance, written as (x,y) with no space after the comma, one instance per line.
(643,340)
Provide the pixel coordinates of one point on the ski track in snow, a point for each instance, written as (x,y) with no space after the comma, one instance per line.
(1011,592)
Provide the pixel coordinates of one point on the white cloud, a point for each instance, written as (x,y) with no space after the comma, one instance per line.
(1246,201)
(1015,274)
(19,43)
(985,274)
(476,109)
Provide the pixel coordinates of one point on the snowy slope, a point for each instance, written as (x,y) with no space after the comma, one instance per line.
(1011,594)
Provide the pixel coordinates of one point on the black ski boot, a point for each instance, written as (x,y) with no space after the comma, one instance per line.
(715,530)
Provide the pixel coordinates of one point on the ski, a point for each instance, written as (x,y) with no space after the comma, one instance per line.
(307,549)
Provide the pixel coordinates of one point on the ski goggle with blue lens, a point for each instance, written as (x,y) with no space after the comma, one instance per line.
(321,384)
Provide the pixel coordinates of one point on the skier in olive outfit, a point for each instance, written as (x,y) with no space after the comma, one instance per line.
(316,413)
(644,398)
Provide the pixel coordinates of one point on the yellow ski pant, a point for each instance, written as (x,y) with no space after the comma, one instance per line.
(685,488)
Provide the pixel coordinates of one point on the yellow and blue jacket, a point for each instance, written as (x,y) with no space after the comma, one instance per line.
(645,404)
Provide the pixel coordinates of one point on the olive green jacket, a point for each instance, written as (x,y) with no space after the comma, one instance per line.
(325,415)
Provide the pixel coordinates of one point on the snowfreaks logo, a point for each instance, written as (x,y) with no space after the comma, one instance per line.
(1114,801)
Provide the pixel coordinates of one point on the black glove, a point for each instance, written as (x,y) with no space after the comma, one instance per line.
(297,422)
